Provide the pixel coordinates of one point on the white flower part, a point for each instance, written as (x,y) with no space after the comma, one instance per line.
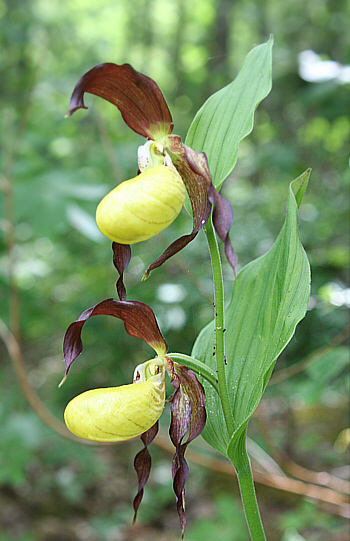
(168,162)
(144,159)
(139,374)
(152,154)
(149,369)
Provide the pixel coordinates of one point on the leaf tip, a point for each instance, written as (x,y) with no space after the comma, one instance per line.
(299,185)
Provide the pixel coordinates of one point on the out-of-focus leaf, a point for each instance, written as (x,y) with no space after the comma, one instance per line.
(83,222)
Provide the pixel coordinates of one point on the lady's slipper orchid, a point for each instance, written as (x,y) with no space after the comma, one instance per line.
(139,208)
(142,207)
(121,413)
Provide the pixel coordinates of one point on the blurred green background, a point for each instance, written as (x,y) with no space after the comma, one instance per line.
(58,169)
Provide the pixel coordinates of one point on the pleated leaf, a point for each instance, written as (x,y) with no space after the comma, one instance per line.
(269,298)
(228,115)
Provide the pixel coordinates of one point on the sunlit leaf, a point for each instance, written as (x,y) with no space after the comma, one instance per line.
(228,115)
(269,298)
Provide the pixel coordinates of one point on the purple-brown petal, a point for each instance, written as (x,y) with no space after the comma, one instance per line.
(173,249)
(197,189)
(121,259)
(138,98)
(180,467)
(142,465)
(195,392)
(188,417)
(222,221)
(139,321)
(181,410)
(222,209)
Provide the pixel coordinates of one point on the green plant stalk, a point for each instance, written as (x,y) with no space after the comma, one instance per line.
(200,368)
(240,459)
(239,456)
(219,323)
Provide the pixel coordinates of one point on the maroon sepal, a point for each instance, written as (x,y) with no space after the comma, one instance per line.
(197,188)
(142,465)
(222,209)
(138,98)
(188,416)
(121,259)
(139,321)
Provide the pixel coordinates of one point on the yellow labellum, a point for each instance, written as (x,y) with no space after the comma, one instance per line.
(141,207)
(116,413)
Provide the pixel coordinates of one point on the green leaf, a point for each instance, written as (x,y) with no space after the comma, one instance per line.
(269,298)
(228,115)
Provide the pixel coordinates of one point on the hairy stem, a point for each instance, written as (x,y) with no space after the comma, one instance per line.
(237,454)
(219,324)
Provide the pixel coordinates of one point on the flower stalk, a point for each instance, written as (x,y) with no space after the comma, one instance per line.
(240,460)
(219,318)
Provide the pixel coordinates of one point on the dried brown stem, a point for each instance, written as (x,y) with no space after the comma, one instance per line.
(11,335)
(334,501)
(317,478)
(38,406)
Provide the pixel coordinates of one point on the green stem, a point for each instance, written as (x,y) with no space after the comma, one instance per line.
(200,368)
(219,324)
(240,459)
(237,451)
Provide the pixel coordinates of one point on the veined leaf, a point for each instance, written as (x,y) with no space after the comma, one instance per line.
(269,298)
(228,115)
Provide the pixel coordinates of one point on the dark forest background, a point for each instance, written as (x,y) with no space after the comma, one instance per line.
(54,263)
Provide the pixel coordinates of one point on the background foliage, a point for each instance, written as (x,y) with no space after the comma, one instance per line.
(54,489)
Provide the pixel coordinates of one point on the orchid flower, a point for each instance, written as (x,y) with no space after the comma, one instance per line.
(121,413)
(140,208)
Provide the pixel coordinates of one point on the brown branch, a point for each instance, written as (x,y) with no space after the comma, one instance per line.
(317,478)
(11,335)
(38,406)
(335,502)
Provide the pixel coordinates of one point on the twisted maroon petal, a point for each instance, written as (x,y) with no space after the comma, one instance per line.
(195,392)
(121,259)
(180,474)
(188,417)
(222,209)
(142,465)
(139,321)
(138,98)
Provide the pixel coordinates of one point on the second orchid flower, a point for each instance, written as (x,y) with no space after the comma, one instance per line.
(115,414)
